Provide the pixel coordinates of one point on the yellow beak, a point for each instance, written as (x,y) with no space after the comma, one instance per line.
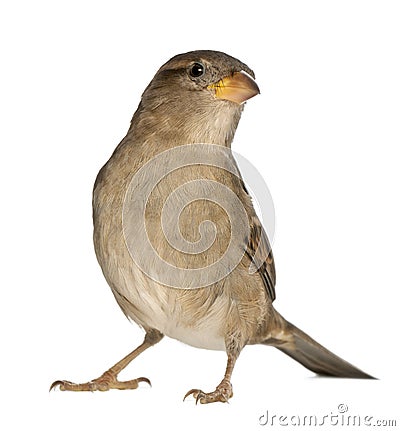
(237,88)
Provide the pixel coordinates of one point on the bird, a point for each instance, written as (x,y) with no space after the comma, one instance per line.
(176,233)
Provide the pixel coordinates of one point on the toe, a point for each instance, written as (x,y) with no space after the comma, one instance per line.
(102,384)
(221,394)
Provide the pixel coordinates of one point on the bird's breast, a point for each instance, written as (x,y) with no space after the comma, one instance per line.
(168,251)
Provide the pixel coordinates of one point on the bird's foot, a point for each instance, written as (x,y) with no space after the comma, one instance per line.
(103,383)
(222,394)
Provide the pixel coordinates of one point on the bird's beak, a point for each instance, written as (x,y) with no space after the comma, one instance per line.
(237,88)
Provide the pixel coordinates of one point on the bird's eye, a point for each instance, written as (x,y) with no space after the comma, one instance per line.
(197,70)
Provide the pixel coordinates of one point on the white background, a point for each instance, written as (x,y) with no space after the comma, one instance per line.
(324,134)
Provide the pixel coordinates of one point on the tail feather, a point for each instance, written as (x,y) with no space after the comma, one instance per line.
(312,355)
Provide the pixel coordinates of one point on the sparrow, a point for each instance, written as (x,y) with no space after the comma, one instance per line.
(176,233)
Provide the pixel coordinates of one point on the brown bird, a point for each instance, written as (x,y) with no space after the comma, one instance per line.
(176,234)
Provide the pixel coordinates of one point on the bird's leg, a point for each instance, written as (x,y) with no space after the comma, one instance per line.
(223,391)
(109,380)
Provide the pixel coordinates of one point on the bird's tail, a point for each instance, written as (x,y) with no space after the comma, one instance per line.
(301,347)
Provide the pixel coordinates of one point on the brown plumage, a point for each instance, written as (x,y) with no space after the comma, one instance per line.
(166,208)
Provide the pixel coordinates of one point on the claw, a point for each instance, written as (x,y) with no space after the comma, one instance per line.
(225,398)
(144,379)
(192,391)
(201,395)
(58,383)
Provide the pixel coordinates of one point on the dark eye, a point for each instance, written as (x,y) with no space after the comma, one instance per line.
(197,70)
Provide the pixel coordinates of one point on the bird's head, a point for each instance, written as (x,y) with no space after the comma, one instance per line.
(196,97)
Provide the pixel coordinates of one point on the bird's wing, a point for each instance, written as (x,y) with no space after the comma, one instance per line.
(260,252)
